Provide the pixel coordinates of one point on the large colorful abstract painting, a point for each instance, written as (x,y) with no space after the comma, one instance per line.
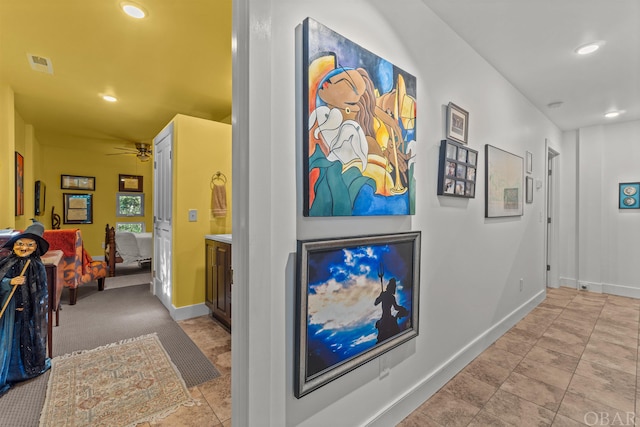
(359,129)
(358,297)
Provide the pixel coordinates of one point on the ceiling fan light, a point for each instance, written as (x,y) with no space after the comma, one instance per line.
(133,10)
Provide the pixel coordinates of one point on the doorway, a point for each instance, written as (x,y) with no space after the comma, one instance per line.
(162,210)
(551,244)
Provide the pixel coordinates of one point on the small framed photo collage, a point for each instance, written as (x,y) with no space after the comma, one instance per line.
(457,170)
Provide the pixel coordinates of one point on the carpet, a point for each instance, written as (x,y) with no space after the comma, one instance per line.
(129,280)
(98,319)
(121,384)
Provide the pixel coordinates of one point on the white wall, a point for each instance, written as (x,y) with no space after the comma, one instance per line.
(470,266)
(607,238)
(568,203)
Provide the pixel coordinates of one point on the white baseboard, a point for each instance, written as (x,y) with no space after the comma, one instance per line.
(622,291)
(602,288)
(568,283)
(398,409)
(188,312)
(583,285)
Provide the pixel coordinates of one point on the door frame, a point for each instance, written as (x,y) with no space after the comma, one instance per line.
(551,246)
(162,266)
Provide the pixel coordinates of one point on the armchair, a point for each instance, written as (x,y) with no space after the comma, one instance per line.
(77,265)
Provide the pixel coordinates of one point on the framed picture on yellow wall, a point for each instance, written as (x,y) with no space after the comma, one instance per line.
(78,208)
(19,184)
(74,182)
(132,183)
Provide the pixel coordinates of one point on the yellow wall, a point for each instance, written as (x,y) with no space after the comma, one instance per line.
(7,165)
(200,149)
(47,156)
(64,155)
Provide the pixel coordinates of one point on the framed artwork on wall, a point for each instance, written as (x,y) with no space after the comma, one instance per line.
(131,183)
(345,292)
(40,196)
(529,162)
(457,123)
(503,183)
(629,195)
(19,198)
(74,182)
(78,208)
(457,170)
(129,204)
(529,189)
(359,129)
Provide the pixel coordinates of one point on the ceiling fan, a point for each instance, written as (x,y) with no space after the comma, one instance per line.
(142,151)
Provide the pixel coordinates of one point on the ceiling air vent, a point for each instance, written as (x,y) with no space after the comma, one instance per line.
(40,63)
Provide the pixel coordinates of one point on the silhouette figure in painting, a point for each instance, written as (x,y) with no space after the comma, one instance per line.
(24,302)
(387,325)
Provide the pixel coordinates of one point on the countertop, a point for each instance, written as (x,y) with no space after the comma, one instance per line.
(224,238)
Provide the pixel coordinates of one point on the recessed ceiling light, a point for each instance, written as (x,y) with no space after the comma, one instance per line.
(555,104)
(133,10)
(109,98)
(612,114)
(588,48)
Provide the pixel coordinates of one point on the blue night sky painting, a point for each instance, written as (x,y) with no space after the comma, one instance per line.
(343,285)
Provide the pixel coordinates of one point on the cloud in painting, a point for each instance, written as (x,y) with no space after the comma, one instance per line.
(344,305)
(364,339)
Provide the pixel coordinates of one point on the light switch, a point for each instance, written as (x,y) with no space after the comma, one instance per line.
(193,215)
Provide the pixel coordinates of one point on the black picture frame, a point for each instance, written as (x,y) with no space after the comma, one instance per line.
(457,123)
(340,300)
(130,183)
(19,184)
(39,198)
(78,208)
(76,182)
(457,170)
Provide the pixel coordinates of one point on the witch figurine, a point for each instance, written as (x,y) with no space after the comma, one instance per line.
(24,308)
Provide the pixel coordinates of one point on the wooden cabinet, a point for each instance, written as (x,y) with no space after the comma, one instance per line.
(218,280)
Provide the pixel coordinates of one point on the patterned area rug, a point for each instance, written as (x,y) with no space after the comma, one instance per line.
(119,384)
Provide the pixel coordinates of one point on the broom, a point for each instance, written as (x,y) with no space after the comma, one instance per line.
(13,291)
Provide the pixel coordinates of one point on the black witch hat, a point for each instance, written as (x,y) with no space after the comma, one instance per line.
(34,232)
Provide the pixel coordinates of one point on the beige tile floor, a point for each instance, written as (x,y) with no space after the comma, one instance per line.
(571,362)
(214,396)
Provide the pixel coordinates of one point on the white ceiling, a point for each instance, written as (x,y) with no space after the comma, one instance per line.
(178,60)
(531,43)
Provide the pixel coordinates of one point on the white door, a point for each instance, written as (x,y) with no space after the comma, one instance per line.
(552,278)
(162,201)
